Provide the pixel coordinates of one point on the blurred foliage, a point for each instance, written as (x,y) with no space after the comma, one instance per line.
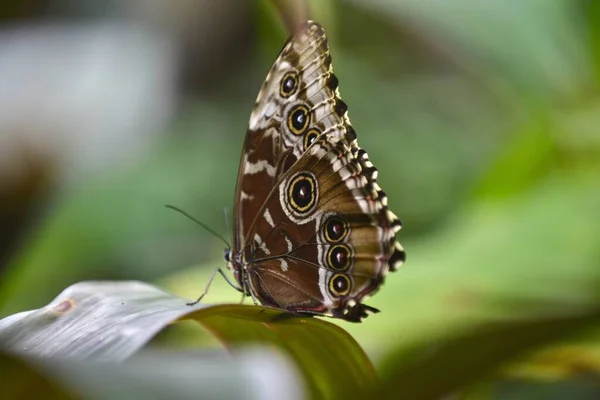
(482,119)
(26,382)
(94,332)
(473,355)
(111,321)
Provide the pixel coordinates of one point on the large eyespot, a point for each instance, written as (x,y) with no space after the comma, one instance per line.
(302,192)
(310,137)
(289,84)
(298,119)
(339,256)
(340,285)
(335,229)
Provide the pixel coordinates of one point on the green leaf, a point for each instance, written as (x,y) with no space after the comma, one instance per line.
(529,156)
(21,381)
(325,353)
(110,321)
(434,370)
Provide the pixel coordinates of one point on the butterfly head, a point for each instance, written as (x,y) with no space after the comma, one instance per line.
(232,261)
(227,255)
(235,265)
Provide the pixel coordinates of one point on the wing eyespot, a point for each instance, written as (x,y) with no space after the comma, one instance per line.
(335,229)
(289,84)
(339,257)
(340,285)
(310,137)
(298,119)
(302,192)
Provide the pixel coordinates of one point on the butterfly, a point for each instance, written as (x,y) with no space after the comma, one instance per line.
(313,234)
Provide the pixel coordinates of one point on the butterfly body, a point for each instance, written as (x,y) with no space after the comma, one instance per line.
(313,232)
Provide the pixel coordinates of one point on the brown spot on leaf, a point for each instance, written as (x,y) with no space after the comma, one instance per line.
(64,306)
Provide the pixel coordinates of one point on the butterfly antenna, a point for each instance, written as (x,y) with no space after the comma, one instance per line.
(179,210)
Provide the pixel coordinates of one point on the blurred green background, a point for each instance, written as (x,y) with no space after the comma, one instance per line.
(481,116)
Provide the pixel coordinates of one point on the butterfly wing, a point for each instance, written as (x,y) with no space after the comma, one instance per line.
(325,238)
(313,231)
(293,107)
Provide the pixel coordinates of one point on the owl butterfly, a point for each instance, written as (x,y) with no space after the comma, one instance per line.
(313,233)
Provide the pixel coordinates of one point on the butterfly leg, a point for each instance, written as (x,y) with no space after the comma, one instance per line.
(254,299)
(232,284)
(212,277)
(246,279)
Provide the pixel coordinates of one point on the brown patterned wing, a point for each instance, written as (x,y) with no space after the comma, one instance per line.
(298,102)
(324,239)
(313,233)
